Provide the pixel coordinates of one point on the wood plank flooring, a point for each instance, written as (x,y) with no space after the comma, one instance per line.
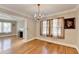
(42,47)
(36,47)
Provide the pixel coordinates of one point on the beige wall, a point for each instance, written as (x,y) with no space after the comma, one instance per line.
(31,28)
(70,34)
(77,23)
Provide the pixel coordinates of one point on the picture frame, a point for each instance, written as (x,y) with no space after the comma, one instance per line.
(69,23)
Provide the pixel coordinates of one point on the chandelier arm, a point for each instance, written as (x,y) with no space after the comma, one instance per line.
(38,10)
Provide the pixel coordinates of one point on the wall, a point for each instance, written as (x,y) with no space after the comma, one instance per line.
(31,28)
(77,29)
(70,34)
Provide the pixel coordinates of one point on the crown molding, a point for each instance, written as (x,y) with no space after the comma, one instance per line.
(63,12)
(77,7)
(13,12)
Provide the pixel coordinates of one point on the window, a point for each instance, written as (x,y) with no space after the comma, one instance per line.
(55,28)
(0,27)
(5,27)
(45,28)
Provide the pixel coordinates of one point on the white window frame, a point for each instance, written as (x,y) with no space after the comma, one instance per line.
(2,27)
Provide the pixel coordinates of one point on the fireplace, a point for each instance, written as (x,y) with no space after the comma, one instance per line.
(21,34)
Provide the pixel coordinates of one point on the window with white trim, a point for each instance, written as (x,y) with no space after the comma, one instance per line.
(45,27)
(0,27)
(5,27)
(53,27)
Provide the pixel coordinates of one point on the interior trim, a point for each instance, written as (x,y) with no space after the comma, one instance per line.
(8,35)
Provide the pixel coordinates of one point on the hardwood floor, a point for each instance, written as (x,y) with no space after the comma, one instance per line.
(14,45)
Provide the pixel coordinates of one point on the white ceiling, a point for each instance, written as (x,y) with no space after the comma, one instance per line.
(31,9)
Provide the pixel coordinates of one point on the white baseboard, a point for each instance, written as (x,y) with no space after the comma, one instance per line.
(77,49)
(57,42)
(8,35)
(27,40)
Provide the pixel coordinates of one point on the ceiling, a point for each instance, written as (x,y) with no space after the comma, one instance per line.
(31,9)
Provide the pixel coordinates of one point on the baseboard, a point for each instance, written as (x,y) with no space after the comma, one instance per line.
(8,35)
(28,40)
(77,49)
(57,42)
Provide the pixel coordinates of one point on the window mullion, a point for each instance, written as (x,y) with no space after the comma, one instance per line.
(2,27)
(49,27)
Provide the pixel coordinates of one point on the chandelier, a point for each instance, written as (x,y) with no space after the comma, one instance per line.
(38,15)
